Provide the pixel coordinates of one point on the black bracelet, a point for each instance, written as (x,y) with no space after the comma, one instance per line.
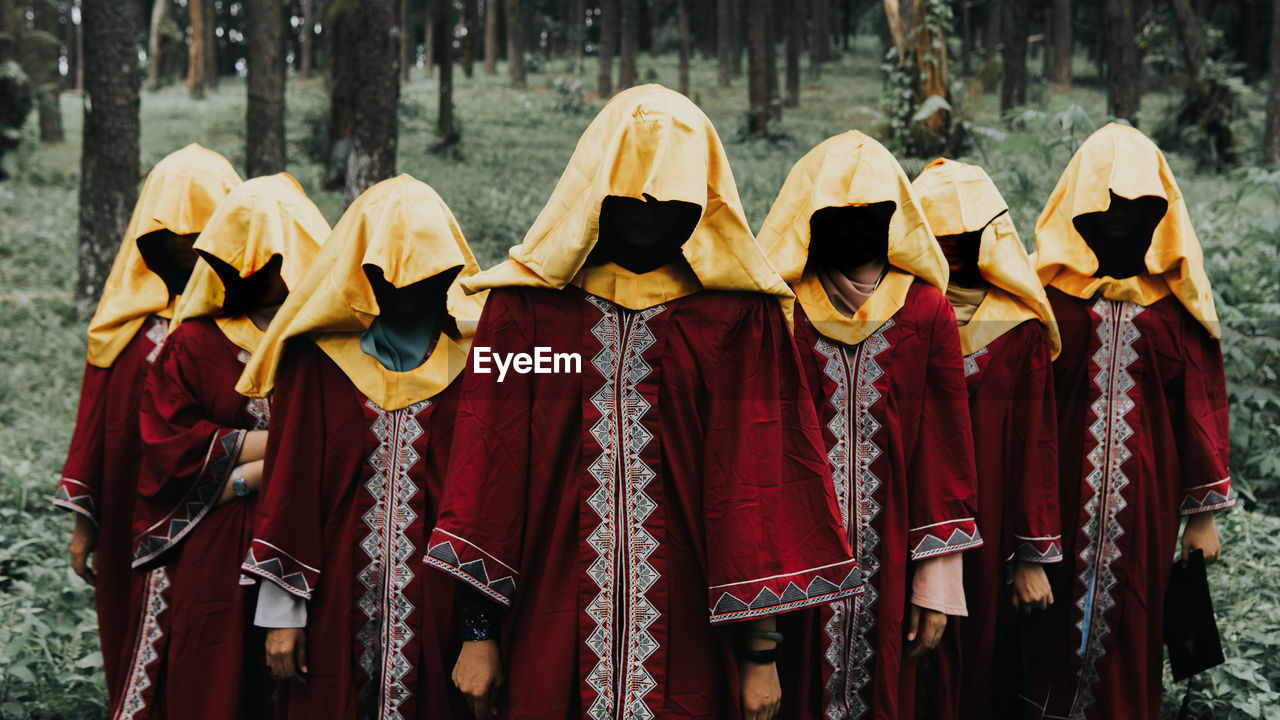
(759,657)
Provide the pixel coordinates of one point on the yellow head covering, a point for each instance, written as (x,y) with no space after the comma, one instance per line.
(647,141)
(263,218)
(402,227)
(851,169)
(958,198)
(180,194)
(1120,159)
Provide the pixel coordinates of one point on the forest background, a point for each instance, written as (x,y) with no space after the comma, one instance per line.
(485,99)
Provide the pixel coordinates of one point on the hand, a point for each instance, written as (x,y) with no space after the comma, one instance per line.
(254,446)
(924,630)
(287,654)
(1201,534)
(1031,589)
(478,675)
(761,690)
(83,541)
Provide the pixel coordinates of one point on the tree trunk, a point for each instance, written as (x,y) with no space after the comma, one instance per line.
(491,37)
(991,35)
(795,40)
(264,112)
(629,29)
(724,39)
(445,125)
(1013,90)
(210,45)
(44,74)
(771,62)
(739,21)
(196,64)
(72,42)
(818,48)
(577,33)
(966,38)
(1123,92)
(407,45)
(515,44)
(931,71)
(8,31)
(1060,74)
(109,160)
(429,45)
(757,67)
(159,13)
(1046,45)
(373,139)
(608,36)
(469,39)
(1189,29)
(307,40)
(682,18)
(894,12)
(1271,139)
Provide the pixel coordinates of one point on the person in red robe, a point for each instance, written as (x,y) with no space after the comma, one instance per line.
(1142,421)
(623,506)
(203,446)
(363,358)
(1008,337)
(125,336)
(881,358)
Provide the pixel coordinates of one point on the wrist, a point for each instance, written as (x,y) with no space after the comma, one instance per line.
(239,485)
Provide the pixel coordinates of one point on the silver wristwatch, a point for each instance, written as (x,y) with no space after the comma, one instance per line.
(238,484)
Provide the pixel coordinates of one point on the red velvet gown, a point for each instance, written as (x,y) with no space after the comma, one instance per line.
(99,481)
(351,495)
(203,658)
(1142,428)
(896,426)
(624,511)
(1012,413)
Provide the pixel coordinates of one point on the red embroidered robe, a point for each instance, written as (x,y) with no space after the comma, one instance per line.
(99,481)
(896,426)
(351,495)
(624,511)
(200,656)
(1142,423)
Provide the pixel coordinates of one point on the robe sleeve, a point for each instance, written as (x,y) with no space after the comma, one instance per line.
(479,532)
(1203,443)
(186,458)
(941,476)
(772,530)
(1031,456)
(288,541)
(80,488)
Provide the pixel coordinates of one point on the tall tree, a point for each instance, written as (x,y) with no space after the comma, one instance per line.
(210,27)
(966,37)
(469,37)
(1123,64)
(196,64)
(8,30)
(1271,138)
(991,34)
(771,61)
(629,31)
(109,159)
(373,139)
(444,123)
(515,44)
(1060,75)
(264,112)
(757,67)
(1189,29)
(795,41)
(307,40)
(737,37)
(44,71)
(155,42)
(724,39)
(75,72)
(491,36)
(407,45)
(577,33)
(429,44)
(608,40)
(819,47)
(682,19)
(1013,89)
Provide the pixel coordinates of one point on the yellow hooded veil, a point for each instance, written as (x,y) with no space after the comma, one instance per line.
(851,169)
(402,227)
(262,218)
(647,141)
(1122,160)
(180,195)
(958,198)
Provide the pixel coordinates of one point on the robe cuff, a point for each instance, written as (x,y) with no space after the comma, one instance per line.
(200,498)
(943,538)
(469,563)
(1043,550)
(279,609)
(938,584)
(77,497)
(1207,498)
(270,562)
(776,594)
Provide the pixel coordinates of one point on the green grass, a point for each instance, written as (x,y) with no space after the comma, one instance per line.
(514,146)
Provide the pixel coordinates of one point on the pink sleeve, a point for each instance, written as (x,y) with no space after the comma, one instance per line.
(939,584)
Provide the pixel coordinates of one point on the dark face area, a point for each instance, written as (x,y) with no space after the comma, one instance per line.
(404,304)
(843,238)
(962,257)
(170,256)
(262,290)
(643,235)
(1120,236)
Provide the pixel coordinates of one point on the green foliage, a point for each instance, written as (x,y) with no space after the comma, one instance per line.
(1207,119)
(906,132)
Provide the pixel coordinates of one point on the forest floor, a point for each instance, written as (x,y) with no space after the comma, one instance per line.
(514,146)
